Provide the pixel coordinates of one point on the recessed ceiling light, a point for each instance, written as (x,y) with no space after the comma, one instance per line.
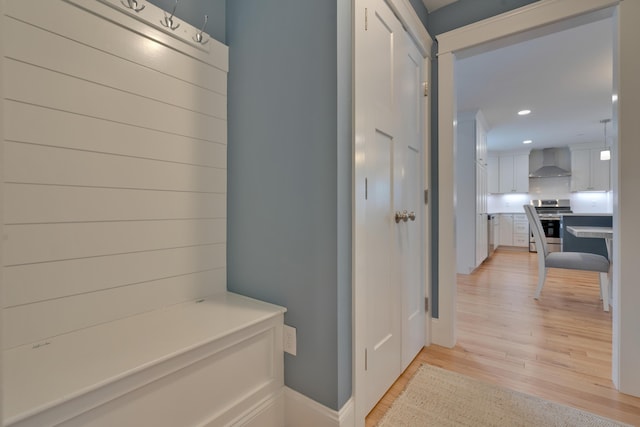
(524,112)
(527,141)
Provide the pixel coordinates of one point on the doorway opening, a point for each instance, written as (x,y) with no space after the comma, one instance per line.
(528,23)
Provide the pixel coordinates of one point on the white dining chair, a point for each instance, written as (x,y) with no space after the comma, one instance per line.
(566,260)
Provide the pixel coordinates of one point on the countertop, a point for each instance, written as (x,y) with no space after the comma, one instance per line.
(586,231)
(587,214)
(563,214)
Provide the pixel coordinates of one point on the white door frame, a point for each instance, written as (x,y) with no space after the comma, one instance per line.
(520,24)
(409,19)
(1,199)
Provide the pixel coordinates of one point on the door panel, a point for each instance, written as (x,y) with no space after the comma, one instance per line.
(409,251)
(410,100)
(383,323)
(383,343)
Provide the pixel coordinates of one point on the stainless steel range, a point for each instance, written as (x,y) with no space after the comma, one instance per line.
(550,212)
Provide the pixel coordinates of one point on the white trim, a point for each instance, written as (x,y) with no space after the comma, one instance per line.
(626,201)
(427,213)
(268,413)
(347,414)
(1,210)
(518,20)
(412,23)
(444,330)
(301,410)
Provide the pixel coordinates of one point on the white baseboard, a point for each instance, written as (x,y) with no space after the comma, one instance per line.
(443,333)
(269,413)
(303,411)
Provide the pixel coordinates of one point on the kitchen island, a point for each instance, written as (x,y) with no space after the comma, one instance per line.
(571,243)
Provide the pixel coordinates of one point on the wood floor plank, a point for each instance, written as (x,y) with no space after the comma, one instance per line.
(557,348)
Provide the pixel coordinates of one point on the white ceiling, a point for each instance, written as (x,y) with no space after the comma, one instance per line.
(432,5)
(565,78)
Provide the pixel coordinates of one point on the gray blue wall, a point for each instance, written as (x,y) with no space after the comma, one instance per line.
(289,172)
(465,12)
(289,188)
(421,10)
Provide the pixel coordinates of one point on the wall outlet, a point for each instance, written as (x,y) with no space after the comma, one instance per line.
(289,339)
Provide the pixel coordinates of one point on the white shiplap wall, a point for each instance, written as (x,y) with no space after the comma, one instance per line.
(114,166)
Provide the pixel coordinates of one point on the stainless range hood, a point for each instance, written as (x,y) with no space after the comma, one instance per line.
(549,168)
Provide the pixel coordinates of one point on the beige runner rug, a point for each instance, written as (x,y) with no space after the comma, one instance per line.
(436,397)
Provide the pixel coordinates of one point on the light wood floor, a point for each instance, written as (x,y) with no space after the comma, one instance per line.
(558,348)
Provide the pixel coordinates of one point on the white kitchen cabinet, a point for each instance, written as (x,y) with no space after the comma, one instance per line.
(514,230)
(493,174)
(508,173)
(588,172)
(472,239)
(482,238)
(506,230)
(496,230)
(513,170)
(520,230)
(481,139)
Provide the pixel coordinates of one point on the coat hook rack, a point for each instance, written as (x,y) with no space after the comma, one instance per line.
(133,5)
(168,20)
(199,37)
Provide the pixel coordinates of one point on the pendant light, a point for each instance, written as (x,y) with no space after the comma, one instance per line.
(605,153)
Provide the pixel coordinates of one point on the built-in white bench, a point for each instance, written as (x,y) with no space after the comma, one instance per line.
(216,361)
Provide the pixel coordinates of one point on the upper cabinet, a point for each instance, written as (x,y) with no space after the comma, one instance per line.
(514,173)
(508,173)
(481,139)
(493,174)
(588,172)
(471,191)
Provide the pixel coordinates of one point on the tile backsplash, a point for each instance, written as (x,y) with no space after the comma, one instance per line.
(552,188)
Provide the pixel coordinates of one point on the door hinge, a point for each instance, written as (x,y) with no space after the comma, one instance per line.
(425,85)
(366,189)
(365,359)
(426,197)
(426,304)
(366,19)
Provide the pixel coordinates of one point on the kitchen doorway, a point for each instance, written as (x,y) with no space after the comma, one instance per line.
(527,22)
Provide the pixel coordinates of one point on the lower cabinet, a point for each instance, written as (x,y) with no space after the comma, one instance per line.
(514,230)
(506,230)
(482,238)
(571,243)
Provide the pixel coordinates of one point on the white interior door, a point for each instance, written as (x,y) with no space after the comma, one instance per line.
(389,161)
(409,196)
(383,308)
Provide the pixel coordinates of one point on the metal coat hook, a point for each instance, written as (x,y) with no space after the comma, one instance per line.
(199,35)
(133,5)
(168,20)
